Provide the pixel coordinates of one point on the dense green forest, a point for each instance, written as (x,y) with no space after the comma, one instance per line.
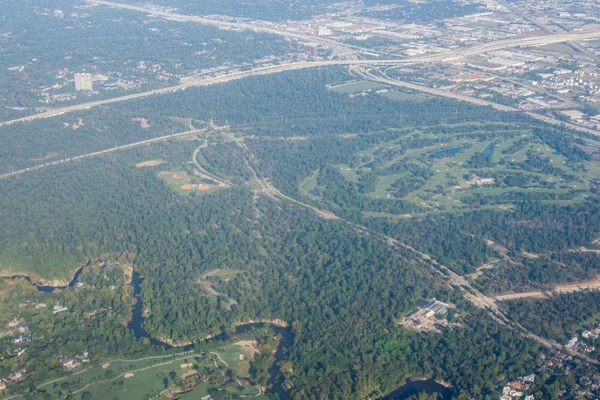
(558,318)
(539,271)
(179,240)
(465,185)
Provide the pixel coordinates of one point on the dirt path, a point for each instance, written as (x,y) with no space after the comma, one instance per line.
(558,289)
(219,357)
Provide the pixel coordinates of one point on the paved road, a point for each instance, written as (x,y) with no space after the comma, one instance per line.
(229,24)
(170,89)
(437,92)
(204,173)
(445,57)
(101,152)
(530,41)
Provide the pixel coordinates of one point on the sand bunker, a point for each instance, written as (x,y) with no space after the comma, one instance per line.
(129,375)
(249,347)
(104,366)
(186,365)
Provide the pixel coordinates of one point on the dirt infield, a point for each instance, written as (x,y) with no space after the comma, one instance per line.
(187,186)
(149,163)
(204,187)
(178,176)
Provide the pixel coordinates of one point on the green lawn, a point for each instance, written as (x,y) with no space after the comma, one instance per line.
(176,179)
(356,87)
(139,379)
(558,48)
(403,96)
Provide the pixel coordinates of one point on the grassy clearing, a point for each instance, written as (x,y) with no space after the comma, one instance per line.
(558,48)
(349,173)
(224,273)
(185,184)
(449,188)
(156,376)
(150,163)
(356,87)
(309,184)
(383,184)
(46,157)
(403,96)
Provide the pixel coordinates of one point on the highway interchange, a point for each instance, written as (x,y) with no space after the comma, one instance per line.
(350,59)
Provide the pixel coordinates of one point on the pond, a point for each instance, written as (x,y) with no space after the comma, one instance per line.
(415,386)
(446,152)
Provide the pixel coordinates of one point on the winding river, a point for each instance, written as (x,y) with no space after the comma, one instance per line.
(47,288)
(275,375)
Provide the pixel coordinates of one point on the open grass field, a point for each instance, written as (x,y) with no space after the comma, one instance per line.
(356,87)
(308,186)
(403,96)
(453,170)
(558,48)
(150,163)
(186,184)
(46,157)
(159,376)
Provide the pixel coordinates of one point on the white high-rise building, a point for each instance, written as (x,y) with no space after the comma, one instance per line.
(83,82)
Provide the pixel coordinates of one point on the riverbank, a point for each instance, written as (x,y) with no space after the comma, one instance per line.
(46,286)
(417,385)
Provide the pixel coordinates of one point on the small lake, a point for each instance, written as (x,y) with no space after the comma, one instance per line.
(447,152)
(416,386)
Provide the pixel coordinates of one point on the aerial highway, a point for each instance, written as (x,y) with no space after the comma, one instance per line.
(101,152)
(443,58)
(497,45)
(449,56)
(170,89)
(227,24)
(369,75)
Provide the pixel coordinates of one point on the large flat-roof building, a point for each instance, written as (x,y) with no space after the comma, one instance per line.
(83,82)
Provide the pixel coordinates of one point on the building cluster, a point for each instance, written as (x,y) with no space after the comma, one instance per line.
(70,363)
(58,309)
(482,181)
(430,316)
(84,82)
(587,336)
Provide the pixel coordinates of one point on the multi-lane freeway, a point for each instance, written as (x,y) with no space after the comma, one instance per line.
(369,75)
(443,58)
(350,60)
(451,55)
